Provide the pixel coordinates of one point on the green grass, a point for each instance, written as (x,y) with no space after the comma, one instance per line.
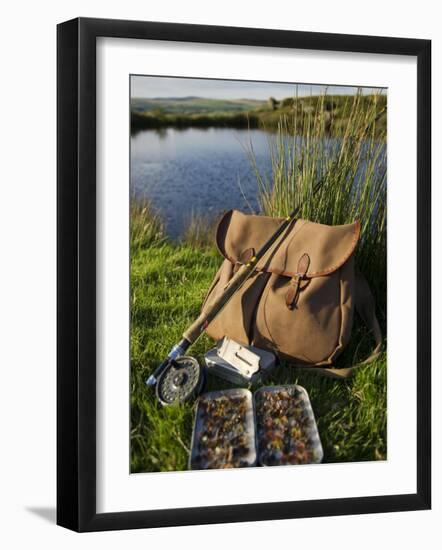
(168,283)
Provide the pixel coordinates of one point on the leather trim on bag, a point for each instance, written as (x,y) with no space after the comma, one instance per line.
(238,232)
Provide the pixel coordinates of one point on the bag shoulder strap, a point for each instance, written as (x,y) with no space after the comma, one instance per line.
(365,306)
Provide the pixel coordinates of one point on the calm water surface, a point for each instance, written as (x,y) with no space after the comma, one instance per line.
(204,171)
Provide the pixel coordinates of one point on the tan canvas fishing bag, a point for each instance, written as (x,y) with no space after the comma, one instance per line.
(300,302)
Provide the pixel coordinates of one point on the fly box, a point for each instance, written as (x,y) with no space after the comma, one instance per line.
(238,364)
(286,427)
(224,431)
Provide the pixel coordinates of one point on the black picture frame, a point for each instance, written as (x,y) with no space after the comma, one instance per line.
(76,273)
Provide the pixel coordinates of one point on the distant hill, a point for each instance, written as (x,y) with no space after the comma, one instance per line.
(193,105)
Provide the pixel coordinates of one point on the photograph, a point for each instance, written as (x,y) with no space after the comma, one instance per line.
(258,273)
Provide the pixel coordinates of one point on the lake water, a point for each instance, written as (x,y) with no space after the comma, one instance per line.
(204,171)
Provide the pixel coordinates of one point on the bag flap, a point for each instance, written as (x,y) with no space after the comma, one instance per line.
(239,236)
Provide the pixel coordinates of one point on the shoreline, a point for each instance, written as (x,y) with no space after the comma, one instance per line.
(333,113)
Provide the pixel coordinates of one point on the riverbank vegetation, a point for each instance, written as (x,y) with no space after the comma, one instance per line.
(169,280)
(205,113)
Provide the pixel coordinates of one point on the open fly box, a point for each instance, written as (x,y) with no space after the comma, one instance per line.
(224,431)
(286,428)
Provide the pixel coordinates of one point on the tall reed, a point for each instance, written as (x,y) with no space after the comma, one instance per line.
(146,226)
(351,169)
(199,230)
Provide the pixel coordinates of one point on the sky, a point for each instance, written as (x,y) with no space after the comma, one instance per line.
(157,86)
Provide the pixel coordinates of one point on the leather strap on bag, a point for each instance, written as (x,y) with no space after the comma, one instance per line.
(295,282)
(365,306)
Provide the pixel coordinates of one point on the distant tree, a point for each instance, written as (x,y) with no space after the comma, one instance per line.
(273,103)
(159,112)
(287,102)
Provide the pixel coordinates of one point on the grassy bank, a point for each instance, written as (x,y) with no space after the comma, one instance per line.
(205,113)
(168,283)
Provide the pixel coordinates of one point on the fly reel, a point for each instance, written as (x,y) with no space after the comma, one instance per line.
(182,381)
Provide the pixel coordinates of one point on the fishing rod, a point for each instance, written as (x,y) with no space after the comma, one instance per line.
(191,335)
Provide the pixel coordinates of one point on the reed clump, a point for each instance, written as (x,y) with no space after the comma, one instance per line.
(146,226)
(351,172)
(199,231)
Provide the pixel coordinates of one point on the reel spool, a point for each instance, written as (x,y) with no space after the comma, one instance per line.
(182,380)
